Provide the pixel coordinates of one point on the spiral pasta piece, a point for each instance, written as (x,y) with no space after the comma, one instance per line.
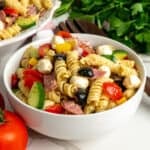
(37,3)
(61,70)
(127,63)
(97,60)
(96,90)
(119,68)
(54,96)
(47,4)
(10,32)
(73,62)
(25,3)
(20,95)
(16,4)
(126,71)
(67,89)
(23,89)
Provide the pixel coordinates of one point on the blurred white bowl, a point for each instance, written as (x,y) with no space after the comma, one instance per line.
(10,45)
(75,127)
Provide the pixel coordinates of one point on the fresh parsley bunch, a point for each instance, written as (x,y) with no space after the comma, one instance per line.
(125,21)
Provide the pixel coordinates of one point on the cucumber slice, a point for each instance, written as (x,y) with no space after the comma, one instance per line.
(37,95)
(111,57)
(120,54)
(25,23)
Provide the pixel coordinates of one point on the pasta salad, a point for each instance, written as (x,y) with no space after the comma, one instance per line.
(19,15)
(70,76)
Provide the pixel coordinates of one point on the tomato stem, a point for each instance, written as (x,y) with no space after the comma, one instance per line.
(1,116)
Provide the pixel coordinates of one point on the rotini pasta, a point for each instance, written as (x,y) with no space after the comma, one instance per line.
(73,62)
(54,96)
(25,3)
(67,89)
(61,70)
(10,32)
(23,89)
(47,4)
(37,3)
(72,82)
(19,15)
(95,90)
(17,6)
(21,96)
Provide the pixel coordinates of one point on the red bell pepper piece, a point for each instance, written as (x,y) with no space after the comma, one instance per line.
(85,53)
(31,76)
(57,108)
(29,80)
(11,11)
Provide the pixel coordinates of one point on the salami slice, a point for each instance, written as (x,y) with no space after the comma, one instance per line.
(50,82)
(72,107)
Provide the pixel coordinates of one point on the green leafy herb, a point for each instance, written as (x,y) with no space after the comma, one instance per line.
(125,21)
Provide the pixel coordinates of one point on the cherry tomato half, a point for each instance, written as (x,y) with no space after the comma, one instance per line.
(112,90)
(43,49)
(64,34)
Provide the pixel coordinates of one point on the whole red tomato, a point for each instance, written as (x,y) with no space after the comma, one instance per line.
(2,104)
(13,132)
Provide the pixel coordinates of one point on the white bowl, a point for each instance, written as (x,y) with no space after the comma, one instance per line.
(9,45)
(75,127)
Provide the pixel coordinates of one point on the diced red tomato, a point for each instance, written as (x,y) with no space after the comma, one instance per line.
(14,81)
(112,90)
(85,53)
(29,80)
(87,49)
(43,49)
(64,34)
(33,72)
(31,76)
(11,11)
(57,108)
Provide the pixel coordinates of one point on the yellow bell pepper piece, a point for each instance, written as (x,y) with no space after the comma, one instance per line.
(63,47)
(72,41)
(33,61)
(122,100)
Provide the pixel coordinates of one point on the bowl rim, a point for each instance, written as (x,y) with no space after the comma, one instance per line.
(38,42)
(28,32)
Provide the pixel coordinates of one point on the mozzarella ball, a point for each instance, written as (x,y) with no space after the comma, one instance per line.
(44,66)
(57,40)
(104,49)
(107,71)
(80,82)
(2,25)
(132,81)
